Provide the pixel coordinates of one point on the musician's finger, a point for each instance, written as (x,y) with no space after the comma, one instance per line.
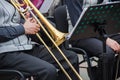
(27,14)
(29,19)
(33,20)
(37,25)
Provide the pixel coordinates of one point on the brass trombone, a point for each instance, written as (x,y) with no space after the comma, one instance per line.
(56,36)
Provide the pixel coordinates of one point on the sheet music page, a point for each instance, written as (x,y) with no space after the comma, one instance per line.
(106,15)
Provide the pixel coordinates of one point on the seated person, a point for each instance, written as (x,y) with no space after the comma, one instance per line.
(18,52)
(93,46)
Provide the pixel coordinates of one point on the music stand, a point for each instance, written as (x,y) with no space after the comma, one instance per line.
(97,20)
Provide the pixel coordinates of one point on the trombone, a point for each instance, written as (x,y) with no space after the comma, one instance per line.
(56,36)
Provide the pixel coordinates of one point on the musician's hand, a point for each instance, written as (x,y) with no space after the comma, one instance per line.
(31,27)
(27,15)
(113,44)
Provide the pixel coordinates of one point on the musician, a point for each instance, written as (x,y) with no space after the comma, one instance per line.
(94,46)
(18,52)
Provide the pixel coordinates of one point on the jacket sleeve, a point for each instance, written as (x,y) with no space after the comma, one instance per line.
(7,33)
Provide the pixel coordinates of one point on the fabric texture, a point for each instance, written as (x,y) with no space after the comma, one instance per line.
(10,17)
(37,3)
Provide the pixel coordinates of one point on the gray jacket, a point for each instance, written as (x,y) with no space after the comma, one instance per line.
(10,17)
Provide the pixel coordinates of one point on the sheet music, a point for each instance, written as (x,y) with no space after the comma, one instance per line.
(107,14)
(71,32)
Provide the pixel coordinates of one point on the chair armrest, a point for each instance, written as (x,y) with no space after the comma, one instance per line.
(6,73)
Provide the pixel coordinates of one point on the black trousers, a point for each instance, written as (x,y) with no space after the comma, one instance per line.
(94,47)
(38,62)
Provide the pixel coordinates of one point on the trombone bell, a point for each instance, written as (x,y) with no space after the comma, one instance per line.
(58,36)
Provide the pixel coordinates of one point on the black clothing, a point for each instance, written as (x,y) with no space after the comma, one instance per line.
(39,62)
(74,9)
(93,46)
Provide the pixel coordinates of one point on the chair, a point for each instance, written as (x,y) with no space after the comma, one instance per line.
(61,20)
(9,74)
(86,59)
(6,74)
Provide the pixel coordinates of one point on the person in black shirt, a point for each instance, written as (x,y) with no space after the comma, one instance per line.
(94,46)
